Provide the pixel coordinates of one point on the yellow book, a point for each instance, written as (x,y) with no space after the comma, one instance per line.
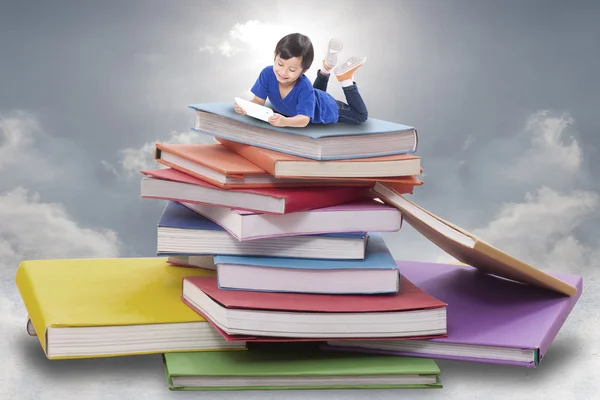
(83,308)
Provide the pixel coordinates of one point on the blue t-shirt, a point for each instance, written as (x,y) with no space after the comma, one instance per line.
(303,99)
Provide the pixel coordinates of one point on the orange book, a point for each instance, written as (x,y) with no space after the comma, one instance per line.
(467,248)
(208,160)
(220,166)
(282,165)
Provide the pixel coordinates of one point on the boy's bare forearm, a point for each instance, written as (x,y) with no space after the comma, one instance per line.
(258,100)
(298,121)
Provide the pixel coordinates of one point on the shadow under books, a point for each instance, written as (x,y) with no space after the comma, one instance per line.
(562,354)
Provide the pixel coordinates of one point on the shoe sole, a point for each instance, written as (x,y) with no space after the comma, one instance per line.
(351,67)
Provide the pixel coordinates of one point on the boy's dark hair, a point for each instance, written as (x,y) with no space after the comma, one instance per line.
(296,45)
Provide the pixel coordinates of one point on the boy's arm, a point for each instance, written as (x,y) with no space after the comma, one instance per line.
(298,121)
(258,100)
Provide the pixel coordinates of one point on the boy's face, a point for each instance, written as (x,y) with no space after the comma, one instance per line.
(287,71)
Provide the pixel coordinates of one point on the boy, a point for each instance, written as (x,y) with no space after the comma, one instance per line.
(298,103)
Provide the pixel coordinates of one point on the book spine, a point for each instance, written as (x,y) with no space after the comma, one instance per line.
(559,321)
(32,304)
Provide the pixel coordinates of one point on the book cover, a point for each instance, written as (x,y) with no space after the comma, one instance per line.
(103,292)
(295,198)
(314,131)
(408,298)
(176,215)
(486,310)
(369,216)
(467,248)
(296,368)
(268,160)
(317,141)
(214,156)
(241,172)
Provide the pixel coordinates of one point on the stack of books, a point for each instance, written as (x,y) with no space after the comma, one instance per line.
(272,272)
(296,241)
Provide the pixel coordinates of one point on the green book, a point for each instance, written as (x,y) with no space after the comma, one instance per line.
(262,369)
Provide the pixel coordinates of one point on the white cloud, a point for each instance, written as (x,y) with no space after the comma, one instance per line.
(547,152)
(551,143)
(541,230)
(135,159)
(19,132)
(543,227)
(251,36)
(34,229)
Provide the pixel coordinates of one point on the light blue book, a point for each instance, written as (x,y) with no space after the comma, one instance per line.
(337,141)
(183,232)
(376,273)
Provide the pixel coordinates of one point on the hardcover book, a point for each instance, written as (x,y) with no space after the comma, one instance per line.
(266,369)
(373,138)
(490,319)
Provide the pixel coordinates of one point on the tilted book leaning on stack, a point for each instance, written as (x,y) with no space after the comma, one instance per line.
(469,249)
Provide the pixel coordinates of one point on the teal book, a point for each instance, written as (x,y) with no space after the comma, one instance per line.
(337,141)
(291,369)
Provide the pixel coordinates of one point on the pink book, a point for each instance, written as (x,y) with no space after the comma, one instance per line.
(363,216)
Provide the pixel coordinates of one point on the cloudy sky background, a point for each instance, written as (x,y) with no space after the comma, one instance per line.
(504,95)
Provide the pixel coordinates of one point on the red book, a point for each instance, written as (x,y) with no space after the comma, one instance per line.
(269,316)
(170,184)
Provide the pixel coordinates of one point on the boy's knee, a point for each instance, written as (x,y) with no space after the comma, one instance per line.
(362,117)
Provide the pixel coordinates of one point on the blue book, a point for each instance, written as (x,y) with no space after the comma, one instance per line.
(376,273)
(181,231)
(337,141)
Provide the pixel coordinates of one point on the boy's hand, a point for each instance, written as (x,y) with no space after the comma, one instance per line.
(278,120)
(238,109)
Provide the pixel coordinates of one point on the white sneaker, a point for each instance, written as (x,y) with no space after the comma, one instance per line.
(335,46)
(351,64)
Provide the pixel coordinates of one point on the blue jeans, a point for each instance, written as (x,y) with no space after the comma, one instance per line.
(355,111)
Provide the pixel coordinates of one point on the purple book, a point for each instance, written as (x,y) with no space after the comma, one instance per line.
(490,319)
